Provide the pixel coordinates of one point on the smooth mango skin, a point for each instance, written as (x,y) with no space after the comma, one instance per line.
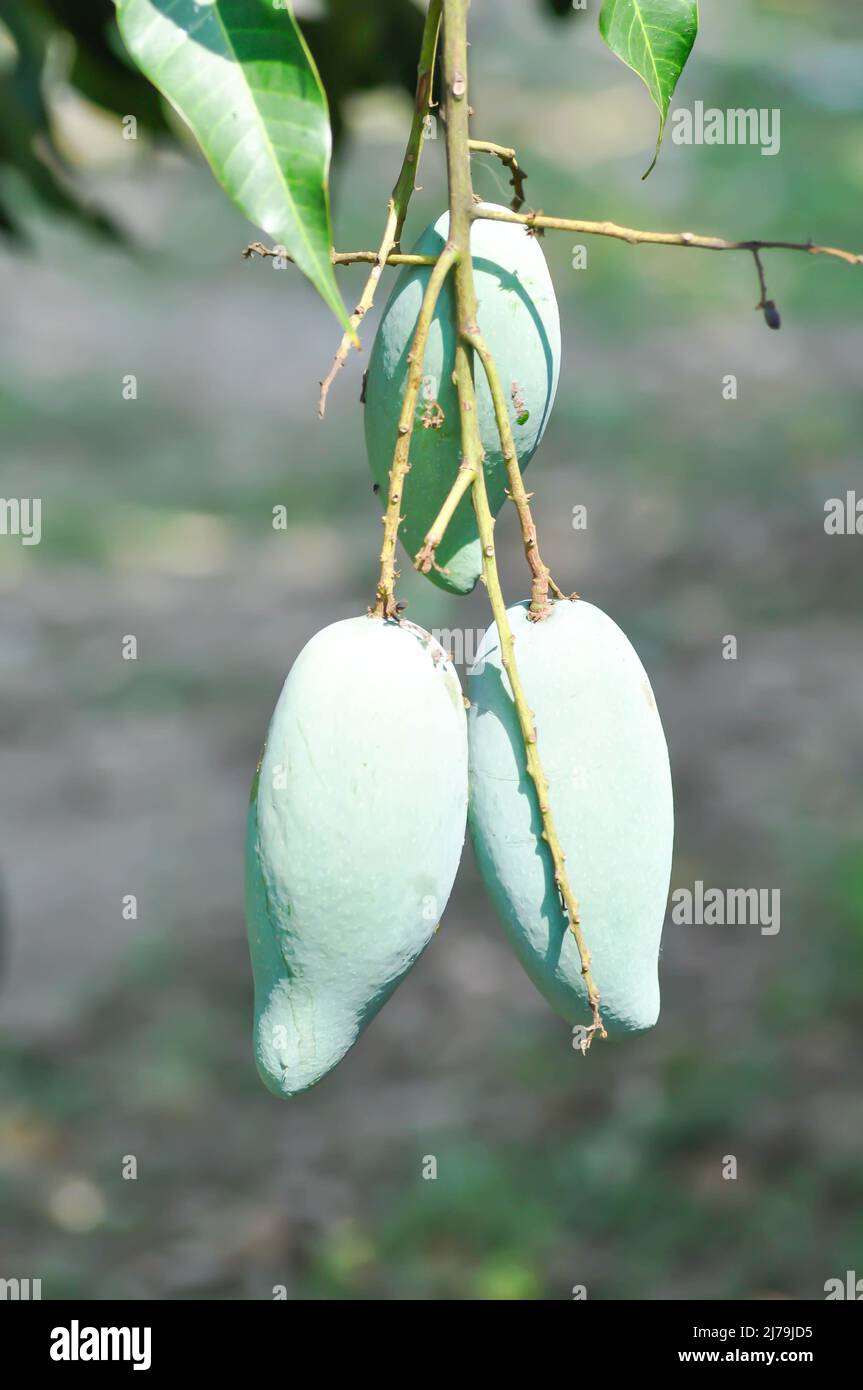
(355,832)
(519,319)
(604,753)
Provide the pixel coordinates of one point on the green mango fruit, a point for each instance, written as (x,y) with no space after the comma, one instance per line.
(519,319)
(355,831)
(604,753)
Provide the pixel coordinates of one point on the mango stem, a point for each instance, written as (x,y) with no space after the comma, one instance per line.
(541,580)
(385,605)
(425,556)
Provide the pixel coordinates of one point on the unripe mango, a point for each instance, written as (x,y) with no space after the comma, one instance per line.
(519,319)
(603,750)
(355,831)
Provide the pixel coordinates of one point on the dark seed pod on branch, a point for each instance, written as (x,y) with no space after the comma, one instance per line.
(772,316)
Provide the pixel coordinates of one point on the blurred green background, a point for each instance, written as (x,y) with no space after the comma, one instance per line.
(705,518)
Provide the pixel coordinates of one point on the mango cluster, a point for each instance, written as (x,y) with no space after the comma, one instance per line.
(374,763)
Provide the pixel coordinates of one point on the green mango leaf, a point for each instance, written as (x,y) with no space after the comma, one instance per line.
(241,76)
(654,38)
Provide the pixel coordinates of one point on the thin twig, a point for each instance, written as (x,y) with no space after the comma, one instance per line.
(424,559)
(510,159)
(400,197)
(257,248)
(540,574)
(632,235)
(385,605)
(537,220)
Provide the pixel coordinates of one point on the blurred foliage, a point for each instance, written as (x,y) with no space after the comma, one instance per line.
(27,143)
(99,68)
(360,47)
(357,48)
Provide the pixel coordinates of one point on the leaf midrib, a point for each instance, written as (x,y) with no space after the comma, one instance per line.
(649,46)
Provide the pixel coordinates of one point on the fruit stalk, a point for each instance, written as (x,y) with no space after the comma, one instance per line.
(509,159)
(399,198)
(461,208)
(485,524)
(424,559)
(385,605)
(541,580)
(540,573)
